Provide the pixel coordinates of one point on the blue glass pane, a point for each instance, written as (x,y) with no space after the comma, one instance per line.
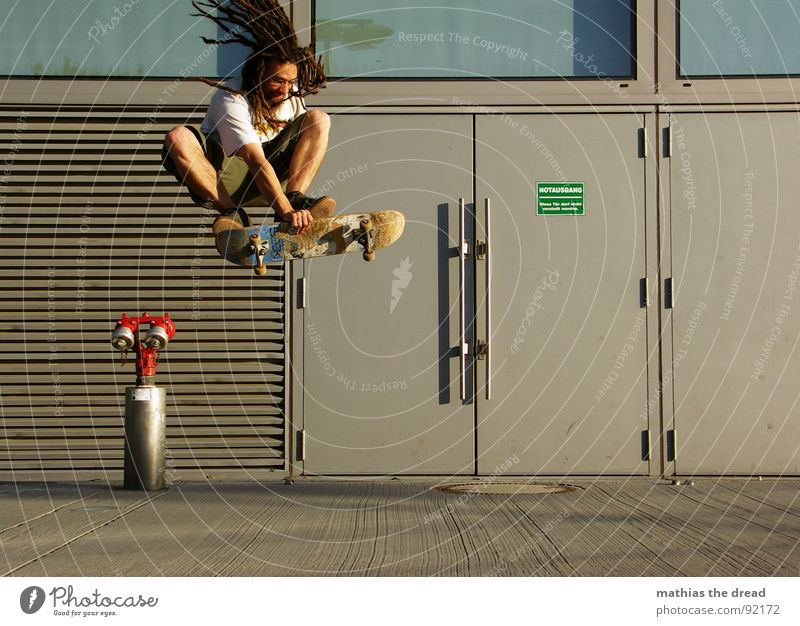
(476,38)
(148,38)
(739,37)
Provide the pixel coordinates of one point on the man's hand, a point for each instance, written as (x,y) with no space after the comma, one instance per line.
(270,187)
(300,220)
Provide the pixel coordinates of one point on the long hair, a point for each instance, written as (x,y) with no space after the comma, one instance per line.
(263,26)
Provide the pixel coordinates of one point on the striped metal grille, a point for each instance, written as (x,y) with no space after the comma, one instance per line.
(92,228)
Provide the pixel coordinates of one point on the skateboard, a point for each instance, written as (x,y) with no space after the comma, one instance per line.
(253,246)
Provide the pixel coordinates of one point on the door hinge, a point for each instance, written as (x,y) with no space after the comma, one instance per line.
(669,294)
(671,446)
(481,247)
(644,292)
(301,293)
(645,445)
(300,445)
(642,143)
(667,138)
(481,348)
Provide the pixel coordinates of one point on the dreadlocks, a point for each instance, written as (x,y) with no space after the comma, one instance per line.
(262,26)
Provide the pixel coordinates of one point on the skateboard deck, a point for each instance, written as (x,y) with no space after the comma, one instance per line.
(253,246)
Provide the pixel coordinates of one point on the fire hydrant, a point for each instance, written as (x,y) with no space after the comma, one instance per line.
(145,404)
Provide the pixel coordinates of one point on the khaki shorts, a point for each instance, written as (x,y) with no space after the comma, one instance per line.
(233,170)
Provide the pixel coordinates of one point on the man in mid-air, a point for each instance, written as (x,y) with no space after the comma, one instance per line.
(257,134)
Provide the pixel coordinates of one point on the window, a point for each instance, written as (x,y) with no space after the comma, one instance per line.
(469,39)
(729,38)
(142,38)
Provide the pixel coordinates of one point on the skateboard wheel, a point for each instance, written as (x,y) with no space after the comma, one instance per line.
(369,256)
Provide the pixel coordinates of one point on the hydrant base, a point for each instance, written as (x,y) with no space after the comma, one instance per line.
(145,438)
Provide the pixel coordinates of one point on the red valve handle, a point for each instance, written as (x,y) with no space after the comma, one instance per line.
(145,356)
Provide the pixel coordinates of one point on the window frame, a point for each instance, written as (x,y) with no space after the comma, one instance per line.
(767,88)
(95,78)
(443,90)
(384,92)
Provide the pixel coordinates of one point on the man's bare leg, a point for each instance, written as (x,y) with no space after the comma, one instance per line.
(309,151)
(194,169)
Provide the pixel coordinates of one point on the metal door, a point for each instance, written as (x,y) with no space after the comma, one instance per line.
(735,315)
(564,387)
(381,369)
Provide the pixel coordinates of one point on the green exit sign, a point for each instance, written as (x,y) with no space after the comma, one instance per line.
(559,199)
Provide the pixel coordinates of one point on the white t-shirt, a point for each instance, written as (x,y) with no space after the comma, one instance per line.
(229,116)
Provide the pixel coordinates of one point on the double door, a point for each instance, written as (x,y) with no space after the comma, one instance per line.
(489,339)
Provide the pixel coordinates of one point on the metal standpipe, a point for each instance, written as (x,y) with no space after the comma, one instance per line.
(145,438)
(145,465)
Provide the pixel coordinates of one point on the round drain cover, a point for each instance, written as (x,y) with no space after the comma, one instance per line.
(506,489)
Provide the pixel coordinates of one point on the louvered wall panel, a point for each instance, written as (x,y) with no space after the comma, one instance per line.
(92,228)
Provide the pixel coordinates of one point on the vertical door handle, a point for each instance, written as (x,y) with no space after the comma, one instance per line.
(463,248)
(488,252)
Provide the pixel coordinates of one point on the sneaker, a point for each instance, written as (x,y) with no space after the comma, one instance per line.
(232,219)
(318,207)
(239,214)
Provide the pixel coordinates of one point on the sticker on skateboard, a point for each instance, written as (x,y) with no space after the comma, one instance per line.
(253,246)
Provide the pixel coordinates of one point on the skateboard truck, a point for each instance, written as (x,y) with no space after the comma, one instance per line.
(366,239)
(259,250)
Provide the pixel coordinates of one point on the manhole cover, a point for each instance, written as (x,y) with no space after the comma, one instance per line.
(509,489)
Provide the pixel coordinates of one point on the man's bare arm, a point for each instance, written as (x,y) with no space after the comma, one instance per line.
(270,187)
